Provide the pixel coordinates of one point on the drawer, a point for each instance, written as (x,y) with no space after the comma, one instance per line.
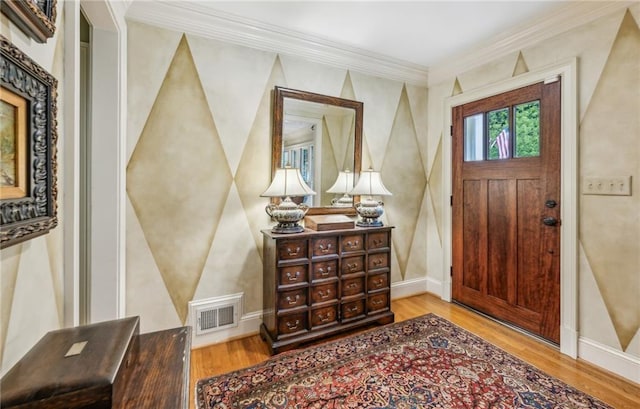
(377,241)
(377,281)
(352,243)
(292,249)
(352,286)
(324,316)
(293,275)
(378,302)
(325,269)
(324,292)
(352,265)
(379,260)
(352,309)
(291,299)
(288,324)
(324,246)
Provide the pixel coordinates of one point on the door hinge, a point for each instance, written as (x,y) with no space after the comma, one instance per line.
(451,271)
(451,200)
(451,130)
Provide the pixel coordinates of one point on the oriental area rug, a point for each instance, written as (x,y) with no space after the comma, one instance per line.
(426,362)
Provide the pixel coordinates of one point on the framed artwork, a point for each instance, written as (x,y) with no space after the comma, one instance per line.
(37,18)
(13,144)
(28,136)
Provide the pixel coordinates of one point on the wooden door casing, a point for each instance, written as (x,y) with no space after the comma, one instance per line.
(505,259)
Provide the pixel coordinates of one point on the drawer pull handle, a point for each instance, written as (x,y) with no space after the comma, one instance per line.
(353,308)
(353,245)
(293,277)
(352,267)
(293,325)
(378,283)
(323,294)
(293,301)
(325,318)
(375,303)
(325,249)
(351,286)
(322,272)
(377,262)
(377,242)
(293,253)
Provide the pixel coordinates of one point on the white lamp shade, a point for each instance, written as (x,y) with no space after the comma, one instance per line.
(343,184)
(288,182)
(370,184)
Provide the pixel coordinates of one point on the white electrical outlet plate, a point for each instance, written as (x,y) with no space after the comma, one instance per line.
(612,186)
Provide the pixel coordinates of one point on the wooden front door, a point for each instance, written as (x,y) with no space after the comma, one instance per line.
(506,207)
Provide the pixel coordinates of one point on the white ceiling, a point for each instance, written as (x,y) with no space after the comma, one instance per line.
(420,32)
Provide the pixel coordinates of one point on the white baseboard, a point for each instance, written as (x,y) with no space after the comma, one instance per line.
(569,341)
(249,324)
(610,359)
(434,286)
(407,288)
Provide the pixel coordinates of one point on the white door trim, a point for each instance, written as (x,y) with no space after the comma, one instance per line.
(568,190)
(108,147)
(71,170)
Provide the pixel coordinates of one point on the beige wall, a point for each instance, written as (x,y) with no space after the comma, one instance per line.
(608,52)
(31,278)
(199,146)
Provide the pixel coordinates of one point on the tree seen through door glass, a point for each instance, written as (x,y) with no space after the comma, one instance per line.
(527,124)
(499,138)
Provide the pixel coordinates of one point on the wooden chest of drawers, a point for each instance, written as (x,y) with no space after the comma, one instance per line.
(318,284)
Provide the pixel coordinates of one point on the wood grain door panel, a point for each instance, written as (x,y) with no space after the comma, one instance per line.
(505,259)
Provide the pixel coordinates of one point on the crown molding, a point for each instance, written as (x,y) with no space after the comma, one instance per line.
(570,16)
(198,19)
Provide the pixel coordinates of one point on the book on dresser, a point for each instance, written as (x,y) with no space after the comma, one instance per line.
(321,283)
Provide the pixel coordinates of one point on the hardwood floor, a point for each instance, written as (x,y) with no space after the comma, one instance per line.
(610,388)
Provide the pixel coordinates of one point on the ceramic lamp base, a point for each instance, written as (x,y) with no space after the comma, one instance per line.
(287,228)
(287,214)
(344,201)
(369,222)
(369,211)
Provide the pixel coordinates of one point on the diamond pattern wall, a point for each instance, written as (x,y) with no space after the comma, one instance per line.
(610,238)
(404,175)
(203,158)
(178,179)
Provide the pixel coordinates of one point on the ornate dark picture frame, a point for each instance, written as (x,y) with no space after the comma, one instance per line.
(37,18)
(35,214)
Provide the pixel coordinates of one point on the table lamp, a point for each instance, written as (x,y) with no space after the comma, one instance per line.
(343,184)
(369,184)
(287,183)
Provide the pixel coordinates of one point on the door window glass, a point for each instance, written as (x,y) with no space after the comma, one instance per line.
(527,124)
(474,138)
(488,135)
(499,140)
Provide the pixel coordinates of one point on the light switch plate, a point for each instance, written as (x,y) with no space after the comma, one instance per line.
(612,186)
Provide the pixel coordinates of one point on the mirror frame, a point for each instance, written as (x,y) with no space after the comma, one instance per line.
(279,94)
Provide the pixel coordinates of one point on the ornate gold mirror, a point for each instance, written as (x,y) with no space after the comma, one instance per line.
(322,136)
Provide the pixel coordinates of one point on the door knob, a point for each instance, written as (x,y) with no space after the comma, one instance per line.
(550,221)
